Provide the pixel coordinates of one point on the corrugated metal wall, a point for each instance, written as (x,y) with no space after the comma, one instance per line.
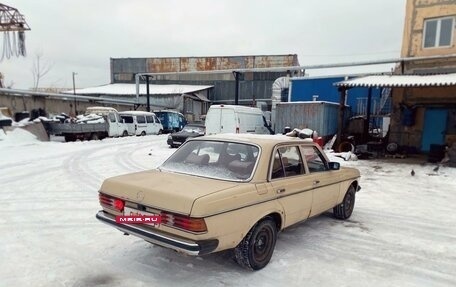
(304,90)
(318,116)
(256,86)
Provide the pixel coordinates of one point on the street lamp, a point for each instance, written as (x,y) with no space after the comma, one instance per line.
(74,93)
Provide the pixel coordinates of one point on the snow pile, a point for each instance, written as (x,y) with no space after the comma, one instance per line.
(15,137)
(90,119)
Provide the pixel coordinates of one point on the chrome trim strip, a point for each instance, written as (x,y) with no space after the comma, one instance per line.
(188,247)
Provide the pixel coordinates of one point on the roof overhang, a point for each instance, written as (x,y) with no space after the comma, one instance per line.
(119,89)
(400,81)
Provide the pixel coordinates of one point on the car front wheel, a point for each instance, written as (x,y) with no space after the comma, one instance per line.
(255,250)
(345,209)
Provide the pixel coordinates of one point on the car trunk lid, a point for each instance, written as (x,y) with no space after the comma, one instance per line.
(163,190)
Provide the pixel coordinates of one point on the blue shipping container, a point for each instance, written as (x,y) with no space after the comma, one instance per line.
(304,89)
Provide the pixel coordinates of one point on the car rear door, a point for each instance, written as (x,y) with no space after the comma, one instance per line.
(325,183)
(290,184)
(227,121)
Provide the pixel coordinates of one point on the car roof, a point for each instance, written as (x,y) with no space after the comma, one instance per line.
(261,140)
(136,113)
(196,125)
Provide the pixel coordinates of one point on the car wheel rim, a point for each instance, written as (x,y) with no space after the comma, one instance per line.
(262,244)
(348,203)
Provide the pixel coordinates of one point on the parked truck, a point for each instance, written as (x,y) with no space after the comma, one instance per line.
(98,123)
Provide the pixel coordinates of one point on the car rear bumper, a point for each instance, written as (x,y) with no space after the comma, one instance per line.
(159,238)
(174,142)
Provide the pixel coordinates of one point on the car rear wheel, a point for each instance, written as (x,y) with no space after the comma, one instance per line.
(255,250)
(345,209)
(125,133)
(143,133)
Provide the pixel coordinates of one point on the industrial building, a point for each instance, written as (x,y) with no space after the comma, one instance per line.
(254,86)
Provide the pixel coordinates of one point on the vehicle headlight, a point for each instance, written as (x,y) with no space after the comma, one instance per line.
(170,136)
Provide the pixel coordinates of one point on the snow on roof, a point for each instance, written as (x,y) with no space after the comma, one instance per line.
(130,89)
(400,81)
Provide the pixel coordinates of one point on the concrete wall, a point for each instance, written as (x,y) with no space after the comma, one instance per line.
(51,106)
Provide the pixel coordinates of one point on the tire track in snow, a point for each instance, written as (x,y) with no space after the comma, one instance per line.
(124,159)
(407,260)
(37,169)
(80,166)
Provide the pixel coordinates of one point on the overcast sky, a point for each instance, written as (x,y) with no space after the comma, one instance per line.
(80,36)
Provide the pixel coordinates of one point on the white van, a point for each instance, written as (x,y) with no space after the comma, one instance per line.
(141,123)
(235,119)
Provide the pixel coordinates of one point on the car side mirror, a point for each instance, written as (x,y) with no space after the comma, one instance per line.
(334,165)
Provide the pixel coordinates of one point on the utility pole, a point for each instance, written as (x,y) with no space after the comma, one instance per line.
(74,93)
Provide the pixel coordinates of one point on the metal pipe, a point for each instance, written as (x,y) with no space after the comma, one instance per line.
(148,93)
(236,92)
(368,115)
(299,68)
(341,120)
(74,93)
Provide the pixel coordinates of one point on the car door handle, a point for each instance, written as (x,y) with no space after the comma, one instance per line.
(316,182)
(280,190)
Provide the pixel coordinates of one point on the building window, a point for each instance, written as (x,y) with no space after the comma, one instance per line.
(438,32)
(188,106)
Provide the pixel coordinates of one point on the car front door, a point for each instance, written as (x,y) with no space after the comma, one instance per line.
(114,125)
(325,182)
(289,183)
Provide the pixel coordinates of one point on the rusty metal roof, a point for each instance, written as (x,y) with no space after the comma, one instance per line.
(400,81)
(193,64)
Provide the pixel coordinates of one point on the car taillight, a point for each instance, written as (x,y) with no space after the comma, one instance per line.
(111,202)
(183,222)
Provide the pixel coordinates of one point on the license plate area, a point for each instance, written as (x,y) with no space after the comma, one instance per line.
(149,218)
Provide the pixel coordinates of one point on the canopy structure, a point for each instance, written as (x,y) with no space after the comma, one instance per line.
(389,81)
(400,81)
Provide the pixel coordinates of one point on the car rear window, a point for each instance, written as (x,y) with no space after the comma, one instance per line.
(214,159)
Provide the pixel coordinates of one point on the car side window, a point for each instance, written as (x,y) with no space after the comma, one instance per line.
(287,162)
(316,162)
(140,119)
(150,119)
(112,118)
(156,119)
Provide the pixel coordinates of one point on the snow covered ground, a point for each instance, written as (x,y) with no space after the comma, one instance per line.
(402,232)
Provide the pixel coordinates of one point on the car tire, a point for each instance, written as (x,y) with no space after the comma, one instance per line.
(94,137)
(345,209)
(255,250)
(125,133)
(160,132)
(143,133)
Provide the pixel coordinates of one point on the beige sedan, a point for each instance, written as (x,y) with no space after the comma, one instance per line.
(229,192)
